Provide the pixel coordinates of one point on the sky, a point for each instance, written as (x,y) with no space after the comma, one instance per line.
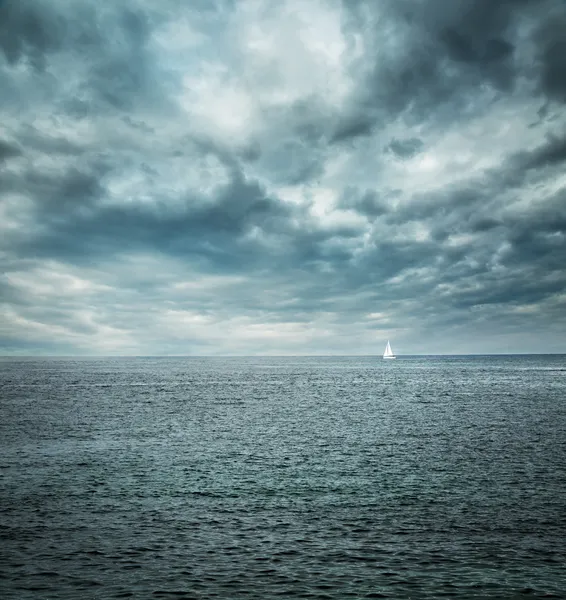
(248,177)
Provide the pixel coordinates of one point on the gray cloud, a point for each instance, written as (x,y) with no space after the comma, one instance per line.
(228,178)
(405,148)
(366,202)
(551,53)
(550,153)
(28,31)
(433,55)
(8,150)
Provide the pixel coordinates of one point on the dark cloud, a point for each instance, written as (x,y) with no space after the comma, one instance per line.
(58,196)
(100,54)
(405,148)
(79,226)
(552,152)
(551,46)
(446,54)
(480,224)
(29,30)
(353,126)
(8,151)
(367,202)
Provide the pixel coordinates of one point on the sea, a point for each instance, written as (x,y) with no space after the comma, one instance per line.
(283,477)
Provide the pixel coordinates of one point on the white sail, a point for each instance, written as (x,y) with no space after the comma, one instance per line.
(388,352)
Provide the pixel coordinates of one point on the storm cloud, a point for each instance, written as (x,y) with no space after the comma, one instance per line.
(248,177)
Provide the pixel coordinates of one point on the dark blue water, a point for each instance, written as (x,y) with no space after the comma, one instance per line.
(283,478)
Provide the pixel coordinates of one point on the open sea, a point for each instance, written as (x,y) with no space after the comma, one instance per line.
(260,478)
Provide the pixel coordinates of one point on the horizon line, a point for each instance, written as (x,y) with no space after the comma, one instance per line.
(379,355)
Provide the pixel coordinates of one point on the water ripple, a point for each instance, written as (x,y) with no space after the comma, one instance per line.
(283,478)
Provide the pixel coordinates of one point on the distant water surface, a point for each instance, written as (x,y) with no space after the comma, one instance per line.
(259,478)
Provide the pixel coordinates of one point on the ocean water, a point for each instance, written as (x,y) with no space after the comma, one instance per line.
(331,477)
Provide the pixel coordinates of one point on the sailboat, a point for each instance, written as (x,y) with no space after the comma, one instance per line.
(388,352)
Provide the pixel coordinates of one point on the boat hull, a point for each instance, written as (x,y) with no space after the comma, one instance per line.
(389,357)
